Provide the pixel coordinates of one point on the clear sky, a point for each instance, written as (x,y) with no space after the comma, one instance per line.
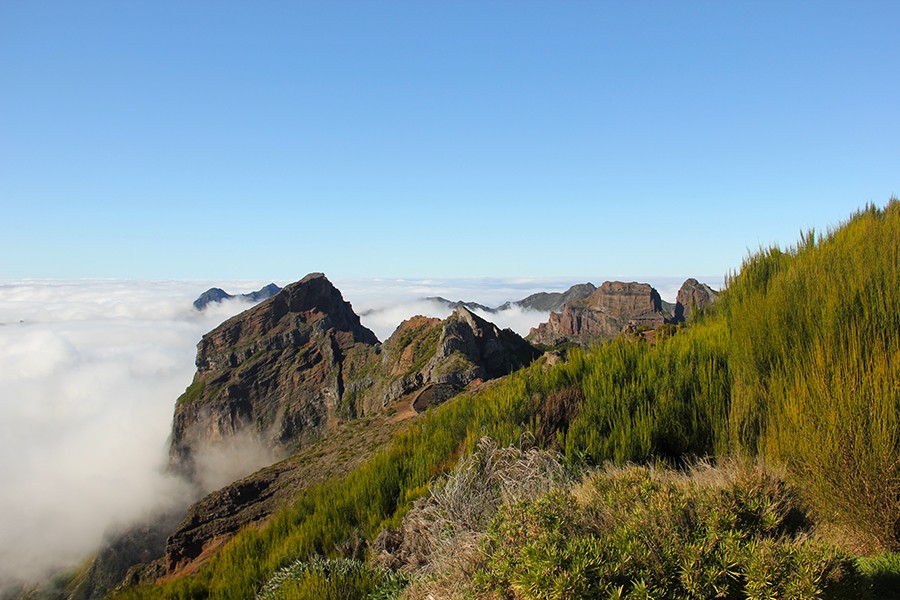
(265,140)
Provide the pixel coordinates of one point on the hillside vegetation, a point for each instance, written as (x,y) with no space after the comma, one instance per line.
(794,372)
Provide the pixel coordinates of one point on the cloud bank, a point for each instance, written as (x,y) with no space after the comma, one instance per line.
(89,372)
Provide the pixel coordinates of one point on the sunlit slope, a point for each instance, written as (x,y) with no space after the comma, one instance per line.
(814,356)
(798,364)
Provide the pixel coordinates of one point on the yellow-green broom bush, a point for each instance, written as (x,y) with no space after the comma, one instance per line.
(814,355)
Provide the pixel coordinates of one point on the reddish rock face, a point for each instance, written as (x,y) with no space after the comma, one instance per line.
(603,314)
(692,296)
(623,300)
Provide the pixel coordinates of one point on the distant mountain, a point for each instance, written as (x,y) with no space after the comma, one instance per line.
(552,301)
(615,305)
(541,301)
(602,315)
(218,295)
(454,305)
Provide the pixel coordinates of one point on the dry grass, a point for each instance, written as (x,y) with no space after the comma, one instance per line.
(438,543)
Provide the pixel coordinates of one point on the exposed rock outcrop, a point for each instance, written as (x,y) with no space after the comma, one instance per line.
(450,353)
(479,348)
(693,296)
(617,306)
(214,295)
(603,314)
(278,373)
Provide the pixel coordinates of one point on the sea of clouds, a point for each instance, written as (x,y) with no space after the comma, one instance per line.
(89,374)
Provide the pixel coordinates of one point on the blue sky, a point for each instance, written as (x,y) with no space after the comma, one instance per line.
(265,140)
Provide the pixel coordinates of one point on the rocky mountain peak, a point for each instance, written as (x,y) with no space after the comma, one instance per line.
(441,357)
(311,305)
(603,314)
(275,374)
(491,351)
(454,305)
(623,300)
(693,295)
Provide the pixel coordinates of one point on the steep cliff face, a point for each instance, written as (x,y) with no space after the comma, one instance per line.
(693,296)
(603,314)
(276,374)
(624,300)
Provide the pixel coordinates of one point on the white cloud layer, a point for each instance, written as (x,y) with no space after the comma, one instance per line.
(89,374)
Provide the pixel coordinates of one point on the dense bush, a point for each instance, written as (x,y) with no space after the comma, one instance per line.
(330,579)
(640,533)
(641,402)
(814,355)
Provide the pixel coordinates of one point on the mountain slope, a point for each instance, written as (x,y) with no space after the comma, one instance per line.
(796,363)
(302,352)
(274,376)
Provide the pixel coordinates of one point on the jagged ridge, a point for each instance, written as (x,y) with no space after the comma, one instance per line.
(215,295)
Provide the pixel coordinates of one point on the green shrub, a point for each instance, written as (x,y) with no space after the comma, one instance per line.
(883,570)
(640,533)
(814,356)
(330,579)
